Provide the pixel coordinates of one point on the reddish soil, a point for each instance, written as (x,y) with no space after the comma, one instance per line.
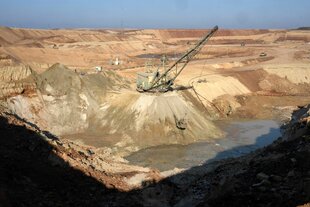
(251,78)
(294,38)
(199,33)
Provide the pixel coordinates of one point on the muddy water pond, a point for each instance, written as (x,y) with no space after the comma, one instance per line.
(241,137)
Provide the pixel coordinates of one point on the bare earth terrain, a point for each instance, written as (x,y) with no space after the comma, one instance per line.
(61,114)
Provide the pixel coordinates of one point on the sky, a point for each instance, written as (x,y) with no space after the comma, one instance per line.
(231,14)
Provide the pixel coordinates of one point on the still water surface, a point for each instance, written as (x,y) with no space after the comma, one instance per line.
(241,137)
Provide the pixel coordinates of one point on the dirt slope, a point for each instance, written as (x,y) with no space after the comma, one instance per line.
(278,175)
(102,105)
(37,169)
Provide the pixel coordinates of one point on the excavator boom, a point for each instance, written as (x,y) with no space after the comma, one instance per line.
(160,82)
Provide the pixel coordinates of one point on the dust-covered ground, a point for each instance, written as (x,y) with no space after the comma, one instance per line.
(50,90)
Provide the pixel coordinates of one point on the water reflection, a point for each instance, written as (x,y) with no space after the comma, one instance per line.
(241,138)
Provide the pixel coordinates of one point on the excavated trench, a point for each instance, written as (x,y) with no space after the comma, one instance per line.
(94,123)
(102,110)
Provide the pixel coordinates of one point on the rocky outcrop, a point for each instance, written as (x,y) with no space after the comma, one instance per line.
(7,60)
(298,125)
(15,73)
(11,83)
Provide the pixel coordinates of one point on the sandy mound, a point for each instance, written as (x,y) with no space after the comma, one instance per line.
(100,106)
(136,121)
(59,80)
(64,99)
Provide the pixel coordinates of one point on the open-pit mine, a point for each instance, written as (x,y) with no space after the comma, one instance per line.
(94,117)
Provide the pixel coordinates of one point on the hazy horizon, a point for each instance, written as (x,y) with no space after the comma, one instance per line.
(164,28)
(160,14)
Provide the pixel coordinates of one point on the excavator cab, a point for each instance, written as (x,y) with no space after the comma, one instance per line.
(145,80)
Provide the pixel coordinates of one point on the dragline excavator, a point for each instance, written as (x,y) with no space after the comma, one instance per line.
(157,82)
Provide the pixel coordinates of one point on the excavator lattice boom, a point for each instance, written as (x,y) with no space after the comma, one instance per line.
(156,82)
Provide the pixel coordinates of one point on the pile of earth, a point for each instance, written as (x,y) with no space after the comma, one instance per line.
(100,109)
(145,120)
(63,99)
(58,80)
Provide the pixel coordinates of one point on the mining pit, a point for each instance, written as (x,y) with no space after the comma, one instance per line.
(240,138)
(241,110)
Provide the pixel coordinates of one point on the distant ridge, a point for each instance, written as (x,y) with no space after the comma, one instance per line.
(303,28)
